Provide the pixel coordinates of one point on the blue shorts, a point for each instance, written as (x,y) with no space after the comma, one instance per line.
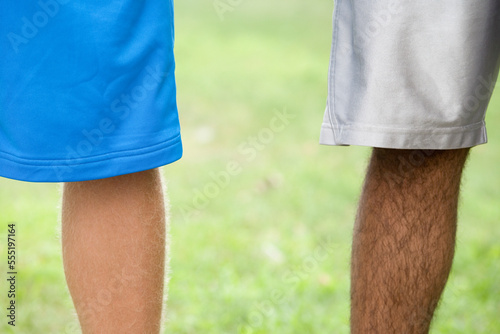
(87,89)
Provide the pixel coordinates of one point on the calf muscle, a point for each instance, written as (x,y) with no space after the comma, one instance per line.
(404,239)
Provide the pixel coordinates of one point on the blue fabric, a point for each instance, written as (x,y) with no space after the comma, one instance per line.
(87,89)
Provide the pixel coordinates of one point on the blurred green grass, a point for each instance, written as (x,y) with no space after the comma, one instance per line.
(254,255)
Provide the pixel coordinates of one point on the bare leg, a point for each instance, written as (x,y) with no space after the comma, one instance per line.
(404,239)
(113,239)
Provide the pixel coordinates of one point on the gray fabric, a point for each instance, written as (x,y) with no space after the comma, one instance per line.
(411,74)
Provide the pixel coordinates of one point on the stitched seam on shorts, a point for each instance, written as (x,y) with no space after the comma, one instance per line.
(358,127)
(93,159)
(333,65)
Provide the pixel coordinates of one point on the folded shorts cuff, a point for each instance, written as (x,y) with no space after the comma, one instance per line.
(425,139)
(92,168)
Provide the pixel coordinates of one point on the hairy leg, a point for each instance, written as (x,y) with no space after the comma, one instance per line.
(113,239)
(404,239)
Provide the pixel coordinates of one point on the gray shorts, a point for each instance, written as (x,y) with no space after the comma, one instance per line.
(411,74)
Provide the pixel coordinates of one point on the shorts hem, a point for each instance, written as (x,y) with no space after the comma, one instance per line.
(93,168)
(434,139)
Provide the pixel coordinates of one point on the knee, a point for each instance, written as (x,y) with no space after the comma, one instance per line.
(418,163)
(418,158)
(146,177)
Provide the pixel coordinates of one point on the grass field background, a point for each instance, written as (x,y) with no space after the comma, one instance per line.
(267,250)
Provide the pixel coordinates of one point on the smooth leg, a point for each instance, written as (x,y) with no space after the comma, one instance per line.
(404,239)
(113,239)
